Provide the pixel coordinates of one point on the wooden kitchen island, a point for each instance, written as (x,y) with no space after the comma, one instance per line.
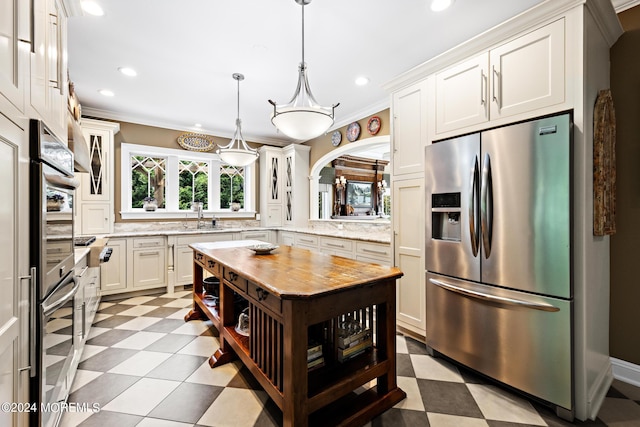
(299,299)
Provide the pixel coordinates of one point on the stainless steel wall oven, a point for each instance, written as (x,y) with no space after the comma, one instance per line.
(52,187)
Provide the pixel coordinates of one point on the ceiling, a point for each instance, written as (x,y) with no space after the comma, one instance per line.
(185,53)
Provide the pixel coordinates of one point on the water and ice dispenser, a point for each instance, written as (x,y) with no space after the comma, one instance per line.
(445,216)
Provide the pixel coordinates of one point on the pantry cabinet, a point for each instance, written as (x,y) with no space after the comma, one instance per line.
(409,129)
(520,76)
(14,51)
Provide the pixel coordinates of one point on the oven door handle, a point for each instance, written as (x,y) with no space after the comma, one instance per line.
(48,307)
(61,181)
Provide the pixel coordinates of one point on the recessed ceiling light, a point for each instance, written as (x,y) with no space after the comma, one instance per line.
(440,5)
(198,125)
(361,81)
(128,71)
(92,8)
(106,92)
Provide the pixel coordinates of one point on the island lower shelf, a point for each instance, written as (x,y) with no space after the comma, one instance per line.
(280,330)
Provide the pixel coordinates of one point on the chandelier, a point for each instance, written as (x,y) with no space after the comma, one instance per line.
(237,152)
(302,118)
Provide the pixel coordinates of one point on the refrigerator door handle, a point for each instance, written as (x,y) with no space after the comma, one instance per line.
(486,206)
(474,229)
(494,298)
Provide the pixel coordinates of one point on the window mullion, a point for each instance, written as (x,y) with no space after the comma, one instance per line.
(214,185)
(172,180)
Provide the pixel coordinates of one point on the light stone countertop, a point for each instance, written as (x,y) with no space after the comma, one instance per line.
(363,235)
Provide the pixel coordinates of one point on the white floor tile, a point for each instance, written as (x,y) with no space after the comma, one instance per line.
(426,367)
(72,419)
(54,339)
(104,305)
(497,404)
(139,340)
(234,407)
(180,313)
(138,323)
(620,412)
(220,376)
(83,377)
(193,327)
(179,303)
(138,310)
(91,350)
(63,312)
(201,346)
(137,300)
(178,294)
(142,397)
(140,364)
(57,324)
(401,345)
(155,422)
(413,400)
(101,316)
(443,420)
(50,359)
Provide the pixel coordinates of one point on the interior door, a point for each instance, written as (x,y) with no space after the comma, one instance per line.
(526,179)
(452,185)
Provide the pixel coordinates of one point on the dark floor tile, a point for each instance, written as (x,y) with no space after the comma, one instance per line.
(165,325)
(271,416)
(107,418)
(404,367)
(549,416)
(65,331)
(162,312)
(109,338)
(244,379)
(494,423)
(170,343)
(177,368)
(187,403)
(113,321)
(114,309)
(159,301)
(103,389)
(448,398)
(401,418)
(106,359)
(615,393)
(63,348)
(415,347)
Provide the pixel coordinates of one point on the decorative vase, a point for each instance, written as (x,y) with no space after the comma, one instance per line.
(150,206)
(235,206)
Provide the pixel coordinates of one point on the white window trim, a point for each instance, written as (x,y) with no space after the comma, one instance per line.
(172,211)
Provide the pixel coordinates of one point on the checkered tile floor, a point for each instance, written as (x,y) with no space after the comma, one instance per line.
(144,366)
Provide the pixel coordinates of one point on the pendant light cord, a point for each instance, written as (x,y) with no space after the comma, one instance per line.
(303,33)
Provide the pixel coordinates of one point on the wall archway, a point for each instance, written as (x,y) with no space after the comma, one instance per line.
(353,149)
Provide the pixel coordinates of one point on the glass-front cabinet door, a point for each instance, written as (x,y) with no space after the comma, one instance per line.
(95,184)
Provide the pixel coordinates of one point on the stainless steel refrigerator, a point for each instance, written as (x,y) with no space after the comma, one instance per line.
(498,255)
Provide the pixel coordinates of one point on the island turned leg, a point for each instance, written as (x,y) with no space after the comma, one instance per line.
(225,353)
(196,313)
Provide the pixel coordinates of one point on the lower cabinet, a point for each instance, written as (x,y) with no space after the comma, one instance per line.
(113,274)
(183,255)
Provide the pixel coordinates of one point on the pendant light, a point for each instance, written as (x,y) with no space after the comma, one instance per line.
(237,152)
(302,118)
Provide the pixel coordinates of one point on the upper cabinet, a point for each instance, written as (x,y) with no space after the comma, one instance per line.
(95,194)
(520,76)
(14,50)
(409,107)
(49,65)
(284,187)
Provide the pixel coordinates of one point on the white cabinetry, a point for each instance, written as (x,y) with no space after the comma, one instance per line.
(409,107)
(520,76)
(262,235)
(113,274)
(183,254)
(49,65)
(408,226)
(336,246)
(95,194)
(147,263)
(284,186)
(14,53)
(378,253)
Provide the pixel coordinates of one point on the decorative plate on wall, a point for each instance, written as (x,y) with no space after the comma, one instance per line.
(196,142)
(336,138)
(353,131)
(373,125)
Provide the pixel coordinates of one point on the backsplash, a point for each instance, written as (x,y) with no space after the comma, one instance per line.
(127,227)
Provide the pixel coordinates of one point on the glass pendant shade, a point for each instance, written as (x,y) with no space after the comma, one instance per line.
(302,118)
(237,152)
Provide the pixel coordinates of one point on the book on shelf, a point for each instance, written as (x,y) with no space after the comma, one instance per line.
(345,340)
(313,348)
(356,350)
(316,363)
(314,355)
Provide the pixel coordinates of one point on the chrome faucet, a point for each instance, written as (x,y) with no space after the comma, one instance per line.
(197,207)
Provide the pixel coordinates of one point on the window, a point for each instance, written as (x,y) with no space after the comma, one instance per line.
(177,178)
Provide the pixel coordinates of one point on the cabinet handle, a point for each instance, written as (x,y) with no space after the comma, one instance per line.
(232,276)
(483,82)
(335,245)
(262,294)
(373,251)
(496,82)
(307,240)
(147,245)
(149,253)
(84,270)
